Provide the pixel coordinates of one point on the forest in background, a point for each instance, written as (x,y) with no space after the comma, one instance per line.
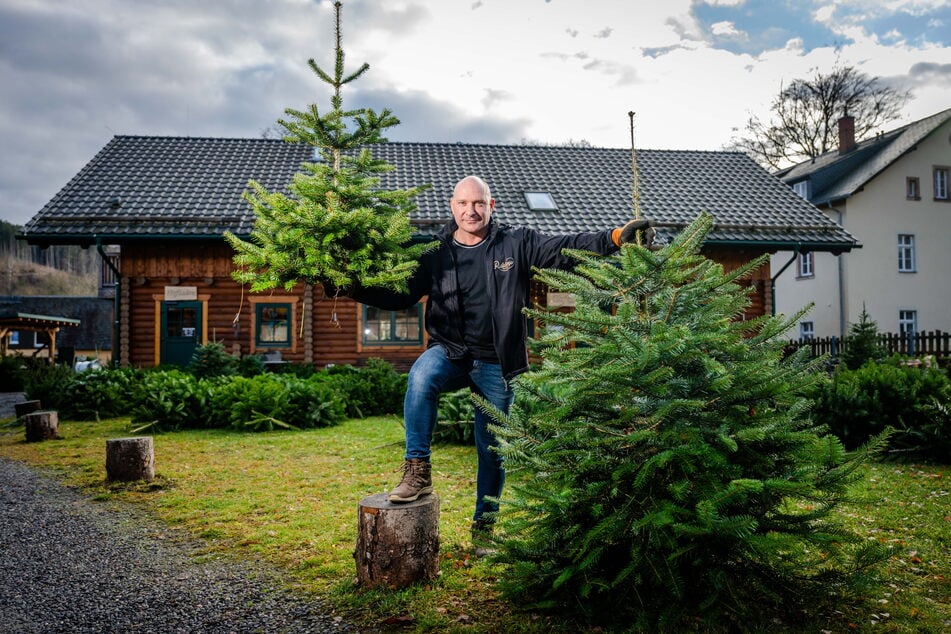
(57,270)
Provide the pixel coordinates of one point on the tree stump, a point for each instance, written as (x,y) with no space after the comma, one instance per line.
(41,425)
(129,459)
(397,544)
(26,407)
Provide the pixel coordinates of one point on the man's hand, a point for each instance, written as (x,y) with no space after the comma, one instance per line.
(628,233)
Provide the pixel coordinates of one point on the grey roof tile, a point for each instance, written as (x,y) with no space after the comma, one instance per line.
(835,176)
(191,188)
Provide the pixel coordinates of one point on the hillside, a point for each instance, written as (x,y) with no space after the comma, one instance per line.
(22,277)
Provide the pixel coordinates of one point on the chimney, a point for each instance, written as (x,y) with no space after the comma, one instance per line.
(846,134)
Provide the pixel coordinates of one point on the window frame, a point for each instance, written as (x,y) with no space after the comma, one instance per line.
(912,188)
(539,200)
(906,317)
(807,330)
(802,189)
(941,189)
(259,322)
(393,322)
(806,265)
(907,255)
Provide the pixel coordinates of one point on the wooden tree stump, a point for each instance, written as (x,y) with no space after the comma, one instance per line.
(397,544)
(41,425)
(129,459)
(26,407)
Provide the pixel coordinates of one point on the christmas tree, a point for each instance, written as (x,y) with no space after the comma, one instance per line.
(665,464)
(337,226)
(863,343)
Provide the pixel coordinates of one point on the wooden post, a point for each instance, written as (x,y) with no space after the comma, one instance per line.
(397,544)
(41,425)
(26,407)
(130,459)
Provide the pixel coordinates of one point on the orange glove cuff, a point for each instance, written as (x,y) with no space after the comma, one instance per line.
(616,237)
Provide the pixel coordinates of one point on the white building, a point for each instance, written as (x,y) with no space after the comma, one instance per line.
(892,193)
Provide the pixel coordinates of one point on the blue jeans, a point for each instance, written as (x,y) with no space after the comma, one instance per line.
(434,373)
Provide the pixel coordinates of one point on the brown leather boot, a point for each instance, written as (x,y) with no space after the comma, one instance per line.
(417,480)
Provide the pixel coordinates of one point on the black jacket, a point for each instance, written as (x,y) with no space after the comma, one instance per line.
(511,255)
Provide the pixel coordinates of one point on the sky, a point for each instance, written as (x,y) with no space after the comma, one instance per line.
(75,73)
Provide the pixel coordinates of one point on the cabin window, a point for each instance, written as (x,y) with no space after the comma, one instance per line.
(906,253)
(15,338)
(393,327)
(912,188)
(272,325)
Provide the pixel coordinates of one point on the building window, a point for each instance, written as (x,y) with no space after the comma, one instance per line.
(906,253)
(807,330)
(15,338)
(540,201)
(806,264)
(941,183)
(907,321)
(393,327)
(272,325)
(912,188)
(802,188)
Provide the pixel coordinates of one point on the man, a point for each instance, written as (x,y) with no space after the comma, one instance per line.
(478,281)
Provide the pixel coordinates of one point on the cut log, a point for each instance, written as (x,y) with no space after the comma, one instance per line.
(397,544)
(129,459)
(41,425)
(26,407)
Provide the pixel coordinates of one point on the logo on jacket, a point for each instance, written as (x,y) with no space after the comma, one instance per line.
(506,265)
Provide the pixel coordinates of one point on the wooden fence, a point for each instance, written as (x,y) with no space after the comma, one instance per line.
(917,344)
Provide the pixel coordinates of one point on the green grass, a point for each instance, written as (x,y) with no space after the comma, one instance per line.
(290,499)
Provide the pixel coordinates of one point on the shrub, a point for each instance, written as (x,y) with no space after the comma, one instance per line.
(169,401)
(47,383)
(456,418)
(12,373)
(372,390)
(863,343)
(102,393)
(269,401)
(858,404)
(251,365)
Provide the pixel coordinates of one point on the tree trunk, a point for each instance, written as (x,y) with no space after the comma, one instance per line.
(130,459)
(26,407)
(41,425)
(397,544)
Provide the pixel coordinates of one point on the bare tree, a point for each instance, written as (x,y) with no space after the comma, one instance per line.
(805,114)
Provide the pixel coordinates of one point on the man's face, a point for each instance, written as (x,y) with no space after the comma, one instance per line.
(471,210)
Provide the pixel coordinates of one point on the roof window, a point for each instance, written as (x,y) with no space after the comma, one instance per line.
(540,201)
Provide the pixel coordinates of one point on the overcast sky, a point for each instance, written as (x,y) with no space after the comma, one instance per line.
(73,73)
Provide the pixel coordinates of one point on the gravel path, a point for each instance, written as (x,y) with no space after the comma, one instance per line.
(69,564)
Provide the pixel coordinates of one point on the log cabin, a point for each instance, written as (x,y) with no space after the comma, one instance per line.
(156,209)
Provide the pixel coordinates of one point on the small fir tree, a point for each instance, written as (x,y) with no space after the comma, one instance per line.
(669,466)
(864,343)
(337,226)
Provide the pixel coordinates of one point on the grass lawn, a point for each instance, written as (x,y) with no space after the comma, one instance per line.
(290,499)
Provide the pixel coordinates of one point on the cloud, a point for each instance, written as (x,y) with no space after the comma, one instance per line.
(604,33)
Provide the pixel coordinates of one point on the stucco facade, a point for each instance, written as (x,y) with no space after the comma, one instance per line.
(902,273)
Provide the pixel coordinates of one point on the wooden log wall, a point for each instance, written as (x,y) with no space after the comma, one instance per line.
(331,333)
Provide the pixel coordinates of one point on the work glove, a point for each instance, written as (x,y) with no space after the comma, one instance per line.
(628,233)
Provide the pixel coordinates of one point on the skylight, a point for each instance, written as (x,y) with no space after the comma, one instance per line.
(540,201)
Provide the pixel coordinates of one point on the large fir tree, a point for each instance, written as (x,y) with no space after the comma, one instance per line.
(337,225)
(667,466)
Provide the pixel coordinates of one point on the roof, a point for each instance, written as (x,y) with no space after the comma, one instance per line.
(92,317)
(146,188)
(833,176)
(28,320)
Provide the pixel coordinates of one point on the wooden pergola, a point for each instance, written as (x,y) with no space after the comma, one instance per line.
(14,321)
